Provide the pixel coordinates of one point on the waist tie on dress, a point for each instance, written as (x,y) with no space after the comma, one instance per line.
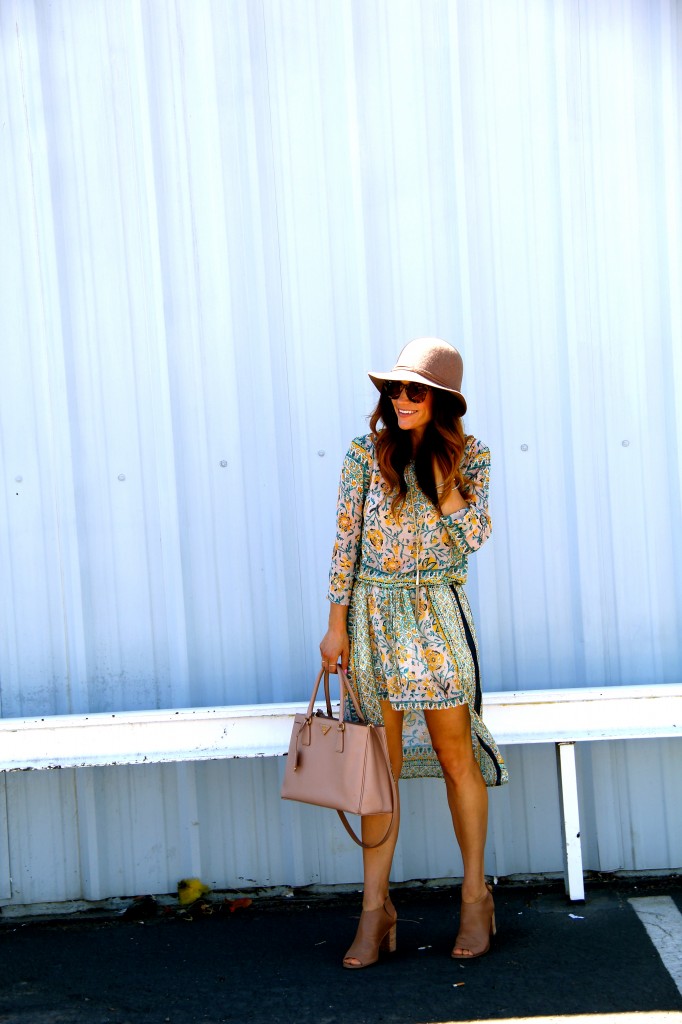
(407,579)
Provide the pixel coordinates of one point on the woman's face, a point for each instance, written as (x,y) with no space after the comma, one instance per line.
(413,415)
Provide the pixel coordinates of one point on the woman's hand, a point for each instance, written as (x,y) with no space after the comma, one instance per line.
(335,642)
(451,502)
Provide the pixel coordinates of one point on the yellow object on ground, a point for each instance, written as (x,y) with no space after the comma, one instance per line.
(190,890)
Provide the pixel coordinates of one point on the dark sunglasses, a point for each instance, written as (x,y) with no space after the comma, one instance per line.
(415,392)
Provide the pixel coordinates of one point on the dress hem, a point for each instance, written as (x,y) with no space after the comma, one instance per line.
(427,705)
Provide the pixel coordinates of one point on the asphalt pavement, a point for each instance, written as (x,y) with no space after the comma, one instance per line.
(279,961)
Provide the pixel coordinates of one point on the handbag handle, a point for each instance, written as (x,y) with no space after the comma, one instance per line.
(344,689)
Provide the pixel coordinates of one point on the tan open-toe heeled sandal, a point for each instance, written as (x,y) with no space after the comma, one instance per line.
(376,931)
(476,927)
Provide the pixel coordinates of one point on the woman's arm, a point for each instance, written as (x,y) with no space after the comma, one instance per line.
(470,529)
(335,642)
(353,486)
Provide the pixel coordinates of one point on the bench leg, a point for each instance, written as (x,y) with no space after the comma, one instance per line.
(570,821)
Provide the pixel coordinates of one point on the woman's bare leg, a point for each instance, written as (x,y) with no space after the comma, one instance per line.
(450,731)
(377,863)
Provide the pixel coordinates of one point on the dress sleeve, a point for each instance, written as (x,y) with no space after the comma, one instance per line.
(469,528)
(353,486)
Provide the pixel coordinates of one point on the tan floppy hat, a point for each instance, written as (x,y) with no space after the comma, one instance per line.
(430,361)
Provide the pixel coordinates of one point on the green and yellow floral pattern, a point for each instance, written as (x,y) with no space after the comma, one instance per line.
(414,646)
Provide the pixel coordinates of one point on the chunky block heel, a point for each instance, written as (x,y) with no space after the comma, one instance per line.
(376,932)
(476,927)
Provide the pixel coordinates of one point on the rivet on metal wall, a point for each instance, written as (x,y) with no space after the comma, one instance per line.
(121,476)
(625,444)
(223,463)
(321,452)
(524,447)
(18,479)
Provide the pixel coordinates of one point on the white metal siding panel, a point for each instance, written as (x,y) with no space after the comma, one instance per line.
(42,817)
(5,880)
(216,217)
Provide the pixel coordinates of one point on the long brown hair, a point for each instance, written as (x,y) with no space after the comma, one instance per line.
(443,441)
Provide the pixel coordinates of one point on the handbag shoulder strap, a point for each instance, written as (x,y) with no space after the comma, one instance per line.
(366,846)
(394,803)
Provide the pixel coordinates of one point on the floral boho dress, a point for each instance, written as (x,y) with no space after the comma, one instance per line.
(413,640)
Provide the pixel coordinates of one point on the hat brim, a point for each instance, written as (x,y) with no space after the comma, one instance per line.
(378,379)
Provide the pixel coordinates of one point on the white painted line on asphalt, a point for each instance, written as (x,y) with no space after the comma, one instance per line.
(663,922)
(631,1017)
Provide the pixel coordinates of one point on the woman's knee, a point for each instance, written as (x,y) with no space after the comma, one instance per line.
(397,766)
(395,753)
(451,740)
(456,760)
(450,730)
(393,723)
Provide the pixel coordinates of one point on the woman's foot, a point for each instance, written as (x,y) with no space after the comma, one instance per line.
(476,925)
(377,930)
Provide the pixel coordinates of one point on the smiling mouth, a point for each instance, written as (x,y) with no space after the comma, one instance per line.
(407,412)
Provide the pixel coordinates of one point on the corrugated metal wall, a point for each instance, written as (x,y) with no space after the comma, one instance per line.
(216,216)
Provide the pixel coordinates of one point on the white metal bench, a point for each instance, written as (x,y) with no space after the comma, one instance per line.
(562,717)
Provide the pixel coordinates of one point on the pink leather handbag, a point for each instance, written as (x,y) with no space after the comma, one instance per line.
(340,764)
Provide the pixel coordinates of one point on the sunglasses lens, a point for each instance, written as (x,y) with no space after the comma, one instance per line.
(415,392)
(393,388)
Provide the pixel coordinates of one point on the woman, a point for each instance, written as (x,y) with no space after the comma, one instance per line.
(413,504)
